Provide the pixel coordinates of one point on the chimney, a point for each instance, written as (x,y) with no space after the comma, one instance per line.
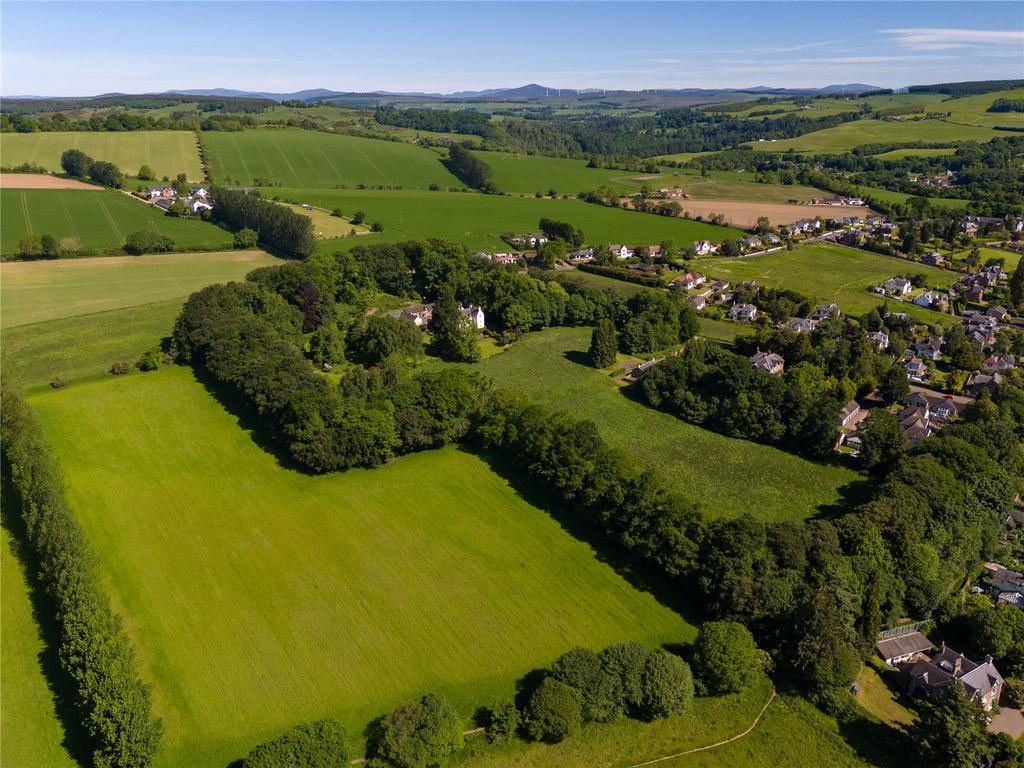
(988,658)
(958,664)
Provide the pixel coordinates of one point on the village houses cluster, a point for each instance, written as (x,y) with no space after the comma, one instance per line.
(196,201)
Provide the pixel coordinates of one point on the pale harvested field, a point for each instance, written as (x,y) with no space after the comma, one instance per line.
(41,181)
(746,214)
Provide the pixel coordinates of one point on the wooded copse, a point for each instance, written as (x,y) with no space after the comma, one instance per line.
(93,651)
(276,226)
(469,168)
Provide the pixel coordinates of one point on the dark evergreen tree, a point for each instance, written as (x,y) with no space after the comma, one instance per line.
(604,344)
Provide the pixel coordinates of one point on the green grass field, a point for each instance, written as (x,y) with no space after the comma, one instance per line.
(315,159)
(791,733)
(889,196)
(973,109)
(531,173)
(712,188)
(828,273)
(168,153)
(84,346)
(99,221)
(479,220)
(847,136)
(730,477)
(32,735)
(258,597)
(899,154)
(35,291)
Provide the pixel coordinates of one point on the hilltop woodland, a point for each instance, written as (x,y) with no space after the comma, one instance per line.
(814,594)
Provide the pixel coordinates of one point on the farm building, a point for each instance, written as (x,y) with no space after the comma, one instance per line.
(903,648)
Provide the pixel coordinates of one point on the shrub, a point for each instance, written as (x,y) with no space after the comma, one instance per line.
(666,685)
(150,360)
(107,174)
(57,382)
(30,247)
(245,238)
(358,217)
(555,710)
(725,657)
(376,227)
(502,721)
(338,213)
(601,691)
(418,734)
(145,241)
(120,368)
(626,661)
(146,173)
(320,744)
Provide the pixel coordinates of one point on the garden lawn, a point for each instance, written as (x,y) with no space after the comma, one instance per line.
(84,346)
(299,158)
(97,221)
(843,138)
(728,476)
(32,735)
(258,597)
(36,291)
(790,733)
(826,273)
(478,220)
(534,173)
(168,153)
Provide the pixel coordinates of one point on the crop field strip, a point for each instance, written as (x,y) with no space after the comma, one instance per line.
(479,220)
(404,578)
(722,473)
(318,159)
(101,220)
(168,153)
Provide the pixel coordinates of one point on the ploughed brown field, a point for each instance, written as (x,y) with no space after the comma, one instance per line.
(746,214)
(40,181)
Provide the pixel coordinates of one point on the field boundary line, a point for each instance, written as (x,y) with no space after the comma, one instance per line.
(722,743)
(24,212)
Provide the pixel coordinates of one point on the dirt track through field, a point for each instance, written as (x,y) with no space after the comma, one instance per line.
(722,743)
(745,214)
(41,181)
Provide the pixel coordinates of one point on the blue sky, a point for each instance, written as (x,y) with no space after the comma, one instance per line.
(95,47)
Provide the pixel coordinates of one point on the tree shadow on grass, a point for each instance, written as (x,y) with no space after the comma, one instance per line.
(76,739)
(247,420)
(667,592)
(579,357)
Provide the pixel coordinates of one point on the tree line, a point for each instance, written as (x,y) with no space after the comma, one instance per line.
(276,226)
(469,168)
(92,649)
(438,120)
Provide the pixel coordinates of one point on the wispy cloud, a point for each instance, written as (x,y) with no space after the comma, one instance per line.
(942,39)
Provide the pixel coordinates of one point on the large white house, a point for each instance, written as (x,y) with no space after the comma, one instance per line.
(474,315)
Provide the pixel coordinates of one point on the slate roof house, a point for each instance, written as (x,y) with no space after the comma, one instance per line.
(742,312)
(473,315)
(981,680)
(769,362)
(879,340)
(825,311)
(896,286)
(930,348)
(903,648)
(803,325)
(934,259)
(418,314)
(999,361)
(689,280)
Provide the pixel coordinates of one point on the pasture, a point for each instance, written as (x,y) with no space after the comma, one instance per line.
(258,597)
(843,138)
(32,734)
(827,272)
(791,733)
(528,174)
(722,473)
(299,158)
(972,110)
(715,187)
(899,154)
(84,346)
(96,221)
(478,221)
(326,226)
(36,291)
(168,153)
(889,196)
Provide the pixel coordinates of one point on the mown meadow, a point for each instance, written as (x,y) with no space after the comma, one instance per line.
(95,221)
(258,597)
(168,153)
(843,138)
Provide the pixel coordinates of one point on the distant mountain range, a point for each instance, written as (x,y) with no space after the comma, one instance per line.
(530,91)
